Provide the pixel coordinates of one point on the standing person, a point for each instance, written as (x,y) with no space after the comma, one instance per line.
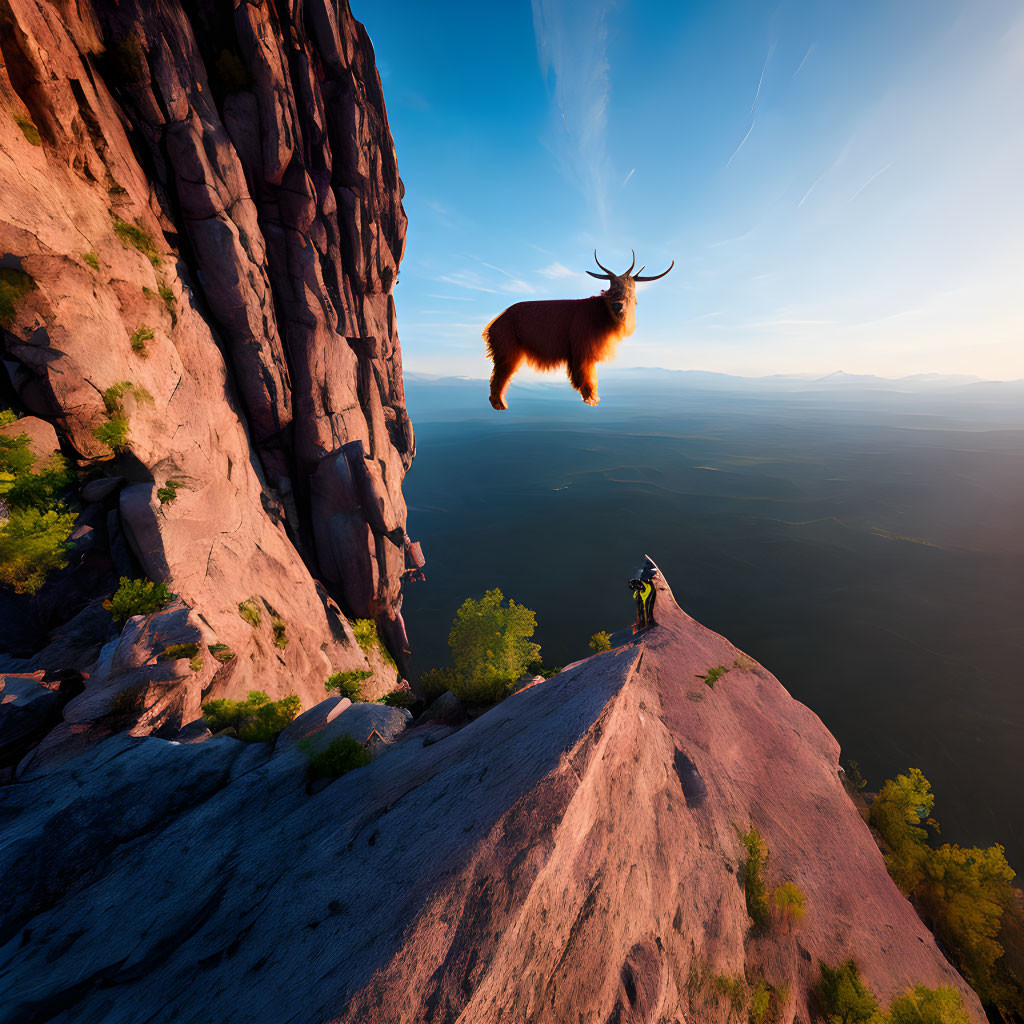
(644,594)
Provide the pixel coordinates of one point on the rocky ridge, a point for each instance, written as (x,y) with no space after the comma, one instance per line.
(206,203)
(572,854)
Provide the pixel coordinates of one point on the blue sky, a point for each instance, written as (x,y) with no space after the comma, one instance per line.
(840,184)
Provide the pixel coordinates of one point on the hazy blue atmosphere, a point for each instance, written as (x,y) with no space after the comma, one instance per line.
(839,184)
(861,540)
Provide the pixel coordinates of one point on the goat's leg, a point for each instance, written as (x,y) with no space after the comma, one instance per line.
(584,380)
(504,367)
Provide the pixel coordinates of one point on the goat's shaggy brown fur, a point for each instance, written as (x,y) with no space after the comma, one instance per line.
(576,333)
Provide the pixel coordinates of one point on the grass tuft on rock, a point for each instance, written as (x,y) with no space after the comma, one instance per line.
(28,128)
(134,237)
(341,755)
(139,338)
(249,609)
(91,259)
(14,286)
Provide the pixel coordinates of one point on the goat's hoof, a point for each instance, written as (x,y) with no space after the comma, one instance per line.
(498,403)
(592,400)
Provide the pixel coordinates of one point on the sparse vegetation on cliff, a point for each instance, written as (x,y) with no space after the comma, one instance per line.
(257,719)
(34,522)
(137,597)
(249,609)
(168,492)
(368,638)
(28,128)
(601,641)
(491,648)
(963,893)
(14,286)
(713,675)
(139,338)
(754,888)
(134,237)
(347,684)
(844,998)
(114,431)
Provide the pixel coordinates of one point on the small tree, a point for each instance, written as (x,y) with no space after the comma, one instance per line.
(844,998)
(490,644)
(137,597)
(754,888)
(33,544)
(897,812)
(601,641)
(791,903)
(924,1005)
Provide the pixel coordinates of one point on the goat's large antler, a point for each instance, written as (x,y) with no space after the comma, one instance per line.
(606,276)
(655,276)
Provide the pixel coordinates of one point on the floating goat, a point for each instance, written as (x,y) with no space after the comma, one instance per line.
(579,333)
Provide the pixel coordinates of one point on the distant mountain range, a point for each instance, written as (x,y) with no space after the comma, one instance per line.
(705,379)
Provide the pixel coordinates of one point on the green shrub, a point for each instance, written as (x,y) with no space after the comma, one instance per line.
(92,259)
(923,1005)
(249,609)
(113,433)
(137,597)
(367,637)
(257,719)
(14,286)
(278,625)
(491,648)
(347,683)
(7,416)
(734,990)
(221,652)
(601,641)
(168,492)
(32,544)
(791,902)
(28,128)
(21,485)
(754,888)
(844,998)
(436,681)
(713,675)
(270,719)
(398,699)
(139,338)
(341,755)
(538,668)
(134,237)
(113,395)
(167,297)
(898,812)
(176,651)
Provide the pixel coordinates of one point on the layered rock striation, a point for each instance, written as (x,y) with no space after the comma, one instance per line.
(203,204)
(572,854)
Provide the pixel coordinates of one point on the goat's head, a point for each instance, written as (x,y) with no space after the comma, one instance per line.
(621,293)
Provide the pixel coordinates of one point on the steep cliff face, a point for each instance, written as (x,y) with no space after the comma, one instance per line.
(206,202)
(573,854)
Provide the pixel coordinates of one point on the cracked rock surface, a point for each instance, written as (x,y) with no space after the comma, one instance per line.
(222,179)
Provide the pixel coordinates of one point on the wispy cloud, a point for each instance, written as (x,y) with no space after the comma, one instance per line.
(450,298)
(469,281)
(572,43)
(628,176)
(874,177)
(740,146)
(814,185)
(799,66)
(760,82)
(558,271)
